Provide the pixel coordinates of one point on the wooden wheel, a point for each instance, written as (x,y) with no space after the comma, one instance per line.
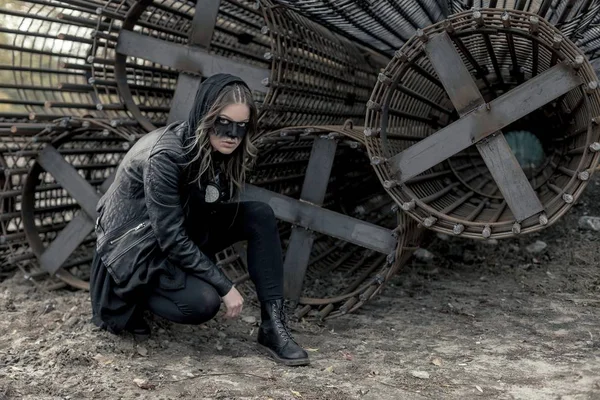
(436,119)
(63,186)
(299,72)
(342,236)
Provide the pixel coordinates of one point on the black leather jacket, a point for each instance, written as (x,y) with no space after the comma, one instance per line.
(142,214)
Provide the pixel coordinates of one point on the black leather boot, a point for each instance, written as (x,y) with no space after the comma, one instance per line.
(274,336)
(138,327)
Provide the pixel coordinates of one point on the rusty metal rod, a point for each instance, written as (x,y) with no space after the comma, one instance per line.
(459,202)
(465,51)
(436,196)
(423,99)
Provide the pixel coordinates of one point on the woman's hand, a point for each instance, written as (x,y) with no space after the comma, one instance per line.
(234,302)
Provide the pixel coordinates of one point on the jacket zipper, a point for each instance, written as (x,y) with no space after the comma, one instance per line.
(137,228)
(111,261)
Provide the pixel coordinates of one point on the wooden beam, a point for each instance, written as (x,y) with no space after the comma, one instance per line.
(296,262)
(201,32)
(203,24)
(454,75)
(188,58)
(509,176)
(314,189)
(185,93)
(64,173)
(496,153)
(325,221)
(318,170)
(67,241)
(482,122)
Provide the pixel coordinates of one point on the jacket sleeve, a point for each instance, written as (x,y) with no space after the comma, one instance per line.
(162,174)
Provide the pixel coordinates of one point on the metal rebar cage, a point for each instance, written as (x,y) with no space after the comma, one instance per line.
(492,79)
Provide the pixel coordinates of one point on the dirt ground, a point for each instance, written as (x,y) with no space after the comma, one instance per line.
(483,320)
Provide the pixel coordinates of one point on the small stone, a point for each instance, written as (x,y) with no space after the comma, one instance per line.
(424,255)
(491,242)
(249,319)
(437,361)
(589,223)
(536,247)
(142,351)
(420,374)
(48,307)
(71,322)
(144,384)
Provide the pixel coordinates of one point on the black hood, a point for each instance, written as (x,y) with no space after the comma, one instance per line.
(206,96)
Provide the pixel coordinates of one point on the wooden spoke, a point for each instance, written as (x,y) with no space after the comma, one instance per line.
(453,74)
(84,193)
(509,176)
(70,238)
(496,153)
(479,121)
(296,262)
(203,26)
(82,224)
(188,58)
(324,221)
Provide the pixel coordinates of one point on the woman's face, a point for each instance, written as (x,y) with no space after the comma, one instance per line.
(230,128)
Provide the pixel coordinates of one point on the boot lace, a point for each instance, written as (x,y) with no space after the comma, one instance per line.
(281,324)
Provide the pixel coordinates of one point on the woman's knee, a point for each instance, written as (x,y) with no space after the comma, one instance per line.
(197,303)
(259,214)
(204,307)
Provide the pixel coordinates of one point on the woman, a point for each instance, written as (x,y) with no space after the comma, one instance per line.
(166,215)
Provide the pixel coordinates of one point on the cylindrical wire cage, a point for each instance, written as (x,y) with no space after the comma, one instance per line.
(502,50)
(341,276)
(63,67)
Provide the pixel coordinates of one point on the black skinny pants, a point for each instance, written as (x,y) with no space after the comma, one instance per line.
(219,226)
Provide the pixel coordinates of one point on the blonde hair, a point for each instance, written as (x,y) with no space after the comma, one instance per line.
(240,161)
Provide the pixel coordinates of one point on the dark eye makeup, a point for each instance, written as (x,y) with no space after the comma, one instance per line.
(226,121)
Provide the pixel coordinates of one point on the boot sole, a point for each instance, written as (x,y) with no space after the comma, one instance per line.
(289,363)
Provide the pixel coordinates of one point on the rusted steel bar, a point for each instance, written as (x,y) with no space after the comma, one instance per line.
(437,195)
(465,51)
(490,49)
(511,47)
(544,8)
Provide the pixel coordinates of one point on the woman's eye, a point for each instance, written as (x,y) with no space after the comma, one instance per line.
(223,121)
(241,124)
